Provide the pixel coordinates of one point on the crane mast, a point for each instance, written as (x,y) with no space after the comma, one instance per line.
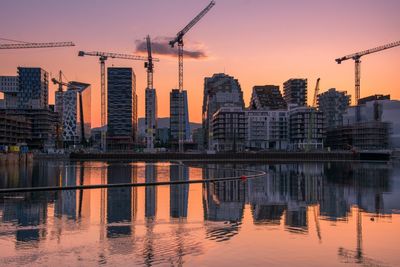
(149,64)
(103,56)
(59,102)
(179,39)
(357,60)
(151,100)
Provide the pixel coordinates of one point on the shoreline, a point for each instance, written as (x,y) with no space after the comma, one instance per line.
(237,157)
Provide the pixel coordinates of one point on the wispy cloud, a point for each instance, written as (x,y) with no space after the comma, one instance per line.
(160,46)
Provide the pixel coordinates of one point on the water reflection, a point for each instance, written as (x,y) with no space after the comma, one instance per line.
(179,193)
(171,225)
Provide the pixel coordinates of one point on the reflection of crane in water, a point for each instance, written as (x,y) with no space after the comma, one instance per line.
(102,254)
(351,256)
(317,226)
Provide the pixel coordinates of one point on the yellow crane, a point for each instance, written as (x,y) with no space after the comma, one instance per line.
(312,116)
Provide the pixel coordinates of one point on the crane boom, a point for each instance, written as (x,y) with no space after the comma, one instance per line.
(193,22)
(179,39)
(103,56)
(366,52)
(113,55)
(357,60)
(35,45)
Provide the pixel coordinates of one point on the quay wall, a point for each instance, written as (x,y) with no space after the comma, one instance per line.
(268,156)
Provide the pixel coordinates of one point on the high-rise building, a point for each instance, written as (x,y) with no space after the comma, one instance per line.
(33,88)
(177,99)
(77,113)
(229,129)
(9,87)
(295,92)
(219,90)
(333,104)
(267,97)
(121,108)
(151,117)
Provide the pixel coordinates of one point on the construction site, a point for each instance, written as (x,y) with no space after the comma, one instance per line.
(66,125)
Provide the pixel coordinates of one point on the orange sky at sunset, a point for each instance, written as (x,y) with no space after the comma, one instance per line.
(256,41)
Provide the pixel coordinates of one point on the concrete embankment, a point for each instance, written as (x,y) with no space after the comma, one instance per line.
(267,156)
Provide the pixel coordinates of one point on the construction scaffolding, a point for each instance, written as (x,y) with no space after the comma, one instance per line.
(363,136)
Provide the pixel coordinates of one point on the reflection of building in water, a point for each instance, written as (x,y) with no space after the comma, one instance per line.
(179,193)
(120,202)
(296,219)
(73,203)
(28,210)
(66,202)
(223,202)
(361,184)
(28,214)
(286,189)
(150,191)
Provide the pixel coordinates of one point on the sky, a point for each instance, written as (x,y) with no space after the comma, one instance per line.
(257,41)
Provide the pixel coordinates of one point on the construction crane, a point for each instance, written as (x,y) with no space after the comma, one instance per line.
(316,92)
(59,102)
(103,56)
(356,57)
(312,115)
(179,39)
(149,64)
(22,45)
(151,99)
(59,81)
(358,256)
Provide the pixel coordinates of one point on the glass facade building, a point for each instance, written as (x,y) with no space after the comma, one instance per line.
(33,90)
(121,108)
(179,100)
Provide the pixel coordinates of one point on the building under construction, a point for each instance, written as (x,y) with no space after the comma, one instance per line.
(14,129)
(370,135)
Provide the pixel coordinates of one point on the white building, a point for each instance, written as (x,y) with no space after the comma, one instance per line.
(77,114)
(267,129)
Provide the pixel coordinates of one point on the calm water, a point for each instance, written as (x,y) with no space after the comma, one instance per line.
(303,214)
